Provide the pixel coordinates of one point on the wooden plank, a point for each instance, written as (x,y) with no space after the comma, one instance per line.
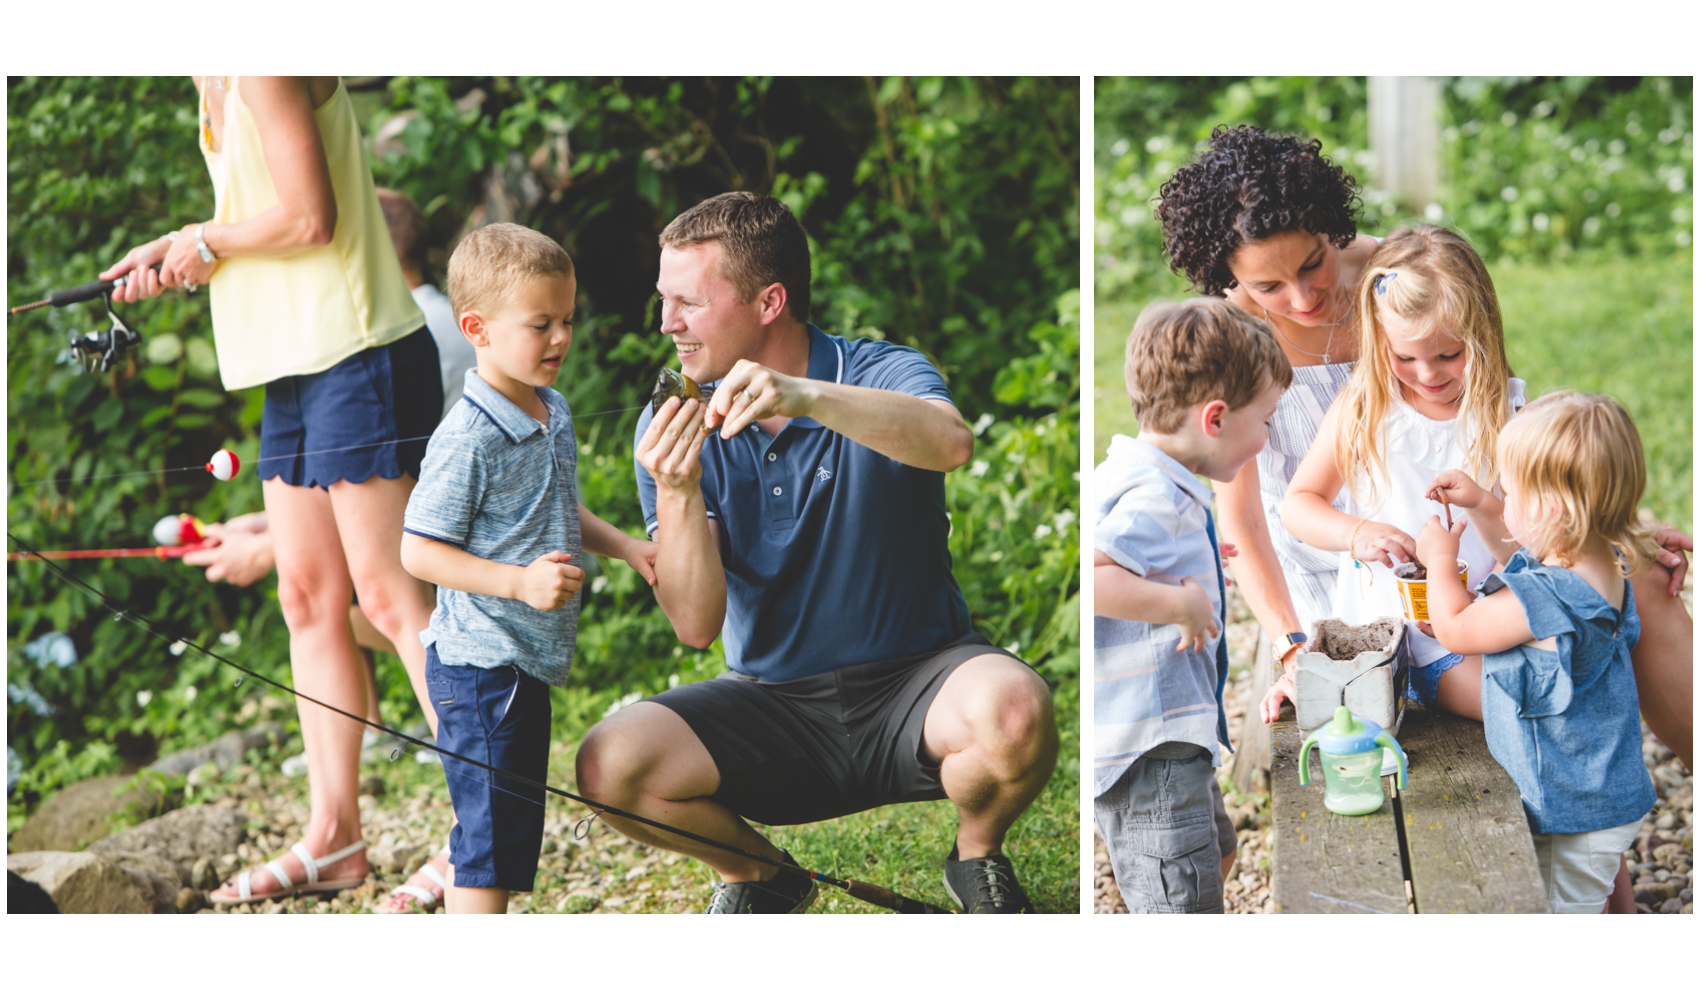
(1466,835)
(1251,755)
(1326,863)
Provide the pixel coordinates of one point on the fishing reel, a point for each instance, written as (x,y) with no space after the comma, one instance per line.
(97,347)
(101,347)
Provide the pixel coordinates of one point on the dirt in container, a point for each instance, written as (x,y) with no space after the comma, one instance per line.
(1339,641)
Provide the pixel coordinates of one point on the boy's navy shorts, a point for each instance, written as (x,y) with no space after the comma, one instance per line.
(498,716)
(351,421)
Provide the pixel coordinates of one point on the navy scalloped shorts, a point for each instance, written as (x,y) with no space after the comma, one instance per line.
(354,420)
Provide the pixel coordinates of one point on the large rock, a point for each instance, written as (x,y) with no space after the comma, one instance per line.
(154,876)
(81,882)
(222,752)
(183,836)
(84,812)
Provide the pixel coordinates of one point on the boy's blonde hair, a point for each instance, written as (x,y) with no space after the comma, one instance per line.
(1432,277)
(491,262)
(1181,354)
(1576,460)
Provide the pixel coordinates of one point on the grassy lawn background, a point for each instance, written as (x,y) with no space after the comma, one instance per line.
(1619,326)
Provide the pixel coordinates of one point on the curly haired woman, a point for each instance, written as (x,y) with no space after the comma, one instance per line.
(1269,223)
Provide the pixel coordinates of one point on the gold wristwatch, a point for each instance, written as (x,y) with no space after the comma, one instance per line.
(1284,642)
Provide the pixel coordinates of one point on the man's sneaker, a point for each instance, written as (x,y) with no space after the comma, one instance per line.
(984,885)
(788,892)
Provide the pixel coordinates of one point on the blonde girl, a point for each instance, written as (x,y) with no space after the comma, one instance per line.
(1555,630)
(1430,393)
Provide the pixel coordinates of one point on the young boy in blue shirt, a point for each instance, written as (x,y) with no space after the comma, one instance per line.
(1204,378)
(496,524)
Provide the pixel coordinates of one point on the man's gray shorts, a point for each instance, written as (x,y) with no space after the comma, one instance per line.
(828,745)
(1167,831)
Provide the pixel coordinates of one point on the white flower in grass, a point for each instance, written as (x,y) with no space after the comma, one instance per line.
(979,467)
(178,647)
(986,420)
(189,693)
(1063,519)
(599,585)
(143,697)
(1041,531)
(231,639)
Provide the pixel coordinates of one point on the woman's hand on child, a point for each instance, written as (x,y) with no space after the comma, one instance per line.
(640,555)
(1197,618)
(1672,544)
(1436,546)
(1461,491)
(1382,543)
(550,581)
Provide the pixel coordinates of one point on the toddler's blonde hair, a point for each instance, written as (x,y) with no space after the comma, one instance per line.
(1432,277)
(491,262)
(1576,459)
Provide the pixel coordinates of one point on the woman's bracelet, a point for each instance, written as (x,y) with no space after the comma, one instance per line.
(1352,542)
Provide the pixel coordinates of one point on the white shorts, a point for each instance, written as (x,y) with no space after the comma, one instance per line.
(1579,870)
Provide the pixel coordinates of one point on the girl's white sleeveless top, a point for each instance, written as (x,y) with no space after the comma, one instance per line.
(1417,450)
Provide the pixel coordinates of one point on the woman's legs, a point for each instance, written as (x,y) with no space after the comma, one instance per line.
(369,517)
(314,589)
(1664,663)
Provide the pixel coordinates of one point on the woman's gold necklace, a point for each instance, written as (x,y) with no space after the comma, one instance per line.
(1327,350)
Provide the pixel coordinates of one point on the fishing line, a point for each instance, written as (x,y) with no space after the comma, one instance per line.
(878,895)
(277,458)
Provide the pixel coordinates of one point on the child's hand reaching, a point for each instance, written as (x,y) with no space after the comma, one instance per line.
(1436,546)
(1198,617)
(640,555)
(1455,488)
(549,582)
(1382,543)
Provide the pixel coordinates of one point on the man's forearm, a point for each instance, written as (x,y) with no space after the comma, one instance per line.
(927,434)
(690,581)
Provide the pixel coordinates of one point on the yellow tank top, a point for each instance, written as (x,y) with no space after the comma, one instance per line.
(296,315)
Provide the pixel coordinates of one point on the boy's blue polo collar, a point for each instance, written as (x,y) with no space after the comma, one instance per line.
(1149,454)
(514,423)
(826,364)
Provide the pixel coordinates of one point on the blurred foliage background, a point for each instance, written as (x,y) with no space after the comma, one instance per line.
(1577,191)
(943,214)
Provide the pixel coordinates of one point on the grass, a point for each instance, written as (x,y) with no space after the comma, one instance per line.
(1618,326)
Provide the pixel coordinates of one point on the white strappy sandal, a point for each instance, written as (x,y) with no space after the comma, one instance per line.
(286,885)
(425,896)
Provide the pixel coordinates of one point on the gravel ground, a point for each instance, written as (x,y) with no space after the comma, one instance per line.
(406,815)
(1660,863)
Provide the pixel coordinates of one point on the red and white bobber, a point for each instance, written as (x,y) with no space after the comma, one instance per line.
(224,465)
(179,529)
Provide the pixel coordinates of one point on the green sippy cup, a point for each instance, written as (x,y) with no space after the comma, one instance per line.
(1351,763)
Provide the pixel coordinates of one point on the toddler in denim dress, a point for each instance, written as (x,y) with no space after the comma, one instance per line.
(496,524)
(1555,627)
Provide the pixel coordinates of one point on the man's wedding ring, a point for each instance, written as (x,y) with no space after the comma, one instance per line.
(748,396)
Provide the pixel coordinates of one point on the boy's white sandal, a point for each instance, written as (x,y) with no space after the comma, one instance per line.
(286,885)
(430,899)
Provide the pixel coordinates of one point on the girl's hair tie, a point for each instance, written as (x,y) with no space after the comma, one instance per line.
(1381,282)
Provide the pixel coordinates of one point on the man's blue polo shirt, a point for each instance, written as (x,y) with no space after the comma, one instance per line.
(834,554)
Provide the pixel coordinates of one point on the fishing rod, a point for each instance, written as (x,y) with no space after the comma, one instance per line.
(865,891)
(97,347)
